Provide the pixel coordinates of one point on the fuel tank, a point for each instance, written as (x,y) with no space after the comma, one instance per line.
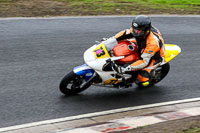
(127,49)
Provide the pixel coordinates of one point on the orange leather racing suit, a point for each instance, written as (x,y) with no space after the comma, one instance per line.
(151,52)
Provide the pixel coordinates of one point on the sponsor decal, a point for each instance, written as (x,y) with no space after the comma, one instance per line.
(88,74)
(135,24)
(151,51)
(111,81)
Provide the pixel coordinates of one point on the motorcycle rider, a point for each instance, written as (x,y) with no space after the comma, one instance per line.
(150,46)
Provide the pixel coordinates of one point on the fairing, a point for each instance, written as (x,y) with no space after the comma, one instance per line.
(171,51)
(85,71)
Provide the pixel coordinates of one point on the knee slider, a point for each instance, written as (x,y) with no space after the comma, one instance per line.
(145,83)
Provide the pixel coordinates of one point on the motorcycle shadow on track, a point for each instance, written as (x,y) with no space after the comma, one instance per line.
(113,98)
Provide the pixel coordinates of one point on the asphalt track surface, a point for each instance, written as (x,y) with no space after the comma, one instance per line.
(35,54)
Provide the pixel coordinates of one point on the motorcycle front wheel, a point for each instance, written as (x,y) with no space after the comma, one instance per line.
(73,84)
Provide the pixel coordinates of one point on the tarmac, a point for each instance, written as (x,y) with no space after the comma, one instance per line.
(118,120)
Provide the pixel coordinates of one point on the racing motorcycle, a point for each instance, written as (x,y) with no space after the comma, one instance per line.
(100,67)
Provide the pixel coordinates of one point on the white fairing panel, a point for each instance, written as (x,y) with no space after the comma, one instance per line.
(96,64)
(89,54)
(90,59)
(96,56)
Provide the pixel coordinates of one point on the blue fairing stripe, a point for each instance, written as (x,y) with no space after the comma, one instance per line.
(84,70)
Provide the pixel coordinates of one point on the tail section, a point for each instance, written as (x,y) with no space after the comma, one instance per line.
(171,51)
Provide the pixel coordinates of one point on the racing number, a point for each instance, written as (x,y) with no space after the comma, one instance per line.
(100,52)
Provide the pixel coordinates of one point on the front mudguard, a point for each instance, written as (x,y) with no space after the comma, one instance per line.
(85,71)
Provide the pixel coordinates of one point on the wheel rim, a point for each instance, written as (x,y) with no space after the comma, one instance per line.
(158,76)
(76,83)
(160,73)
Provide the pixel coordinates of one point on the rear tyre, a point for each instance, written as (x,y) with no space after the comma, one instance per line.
(158,75)
(73,84)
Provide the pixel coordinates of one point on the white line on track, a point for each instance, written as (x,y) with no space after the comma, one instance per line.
(96,114)
(112,16)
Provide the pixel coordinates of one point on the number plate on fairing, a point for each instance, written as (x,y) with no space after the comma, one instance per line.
(101,52)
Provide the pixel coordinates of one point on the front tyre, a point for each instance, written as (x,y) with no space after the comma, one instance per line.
(73,84)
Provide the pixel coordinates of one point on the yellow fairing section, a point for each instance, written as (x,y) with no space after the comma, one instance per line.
(101,52)
(171,51)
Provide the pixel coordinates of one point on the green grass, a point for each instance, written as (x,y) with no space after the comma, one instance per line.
(91,5)
(5,4)
(97,7)
(123,5)
(168,4)
(172,4)
(5,1)
(192,130)
(188,2)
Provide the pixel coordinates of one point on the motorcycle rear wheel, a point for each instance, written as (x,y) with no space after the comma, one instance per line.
(159,74)
(73,84)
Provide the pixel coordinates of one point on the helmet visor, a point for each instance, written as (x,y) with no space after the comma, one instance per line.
(138,32)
